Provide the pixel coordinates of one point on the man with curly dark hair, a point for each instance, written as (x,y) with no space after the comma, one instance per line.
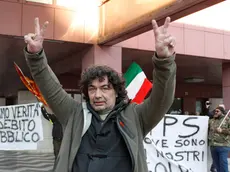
(103,74)
(105,132)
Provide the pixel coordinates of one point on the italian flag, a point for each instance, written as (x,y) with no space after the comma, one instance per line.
(137,85)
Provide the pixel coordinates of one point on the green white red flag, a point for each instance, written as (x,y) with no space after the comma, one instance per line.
(137,84)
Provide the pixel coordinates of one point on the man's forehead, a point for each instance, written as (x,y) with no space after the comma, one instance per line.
(100,81)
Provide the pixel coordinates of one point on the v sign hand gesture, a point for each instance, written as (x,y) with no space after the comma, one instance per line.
(164,42)
(35,40)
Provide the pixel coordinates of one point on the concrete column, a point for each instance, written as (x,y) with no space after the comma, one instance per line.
(215,102)
(226,84)
(25,97)
(103,55)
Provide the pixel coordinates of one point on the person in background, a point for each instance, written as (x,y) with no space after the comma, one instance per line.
(57,132)
(210,114)
(208,111)
(219,139)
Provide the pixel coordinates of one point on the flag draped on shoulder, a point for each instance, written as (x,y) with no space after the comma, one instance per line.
(137,84)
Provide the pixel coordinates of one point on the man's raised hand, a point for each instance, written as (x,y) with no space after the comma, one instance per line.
(164,42)
(35,40)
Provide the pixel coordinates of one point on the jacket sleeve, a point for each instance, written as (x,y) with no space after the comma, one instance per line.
(152,110)
(58,100)
(226,131)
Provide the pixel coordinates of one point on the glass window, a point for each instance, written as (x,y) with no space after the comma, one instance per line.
(198,107)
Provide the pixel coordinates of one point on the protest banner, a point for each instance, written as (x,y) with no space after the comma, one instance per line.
(20,127)
(178,144)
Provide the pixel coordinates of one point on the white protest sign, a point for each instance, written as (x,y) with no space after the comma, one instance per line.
(178,144)
(20,127)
